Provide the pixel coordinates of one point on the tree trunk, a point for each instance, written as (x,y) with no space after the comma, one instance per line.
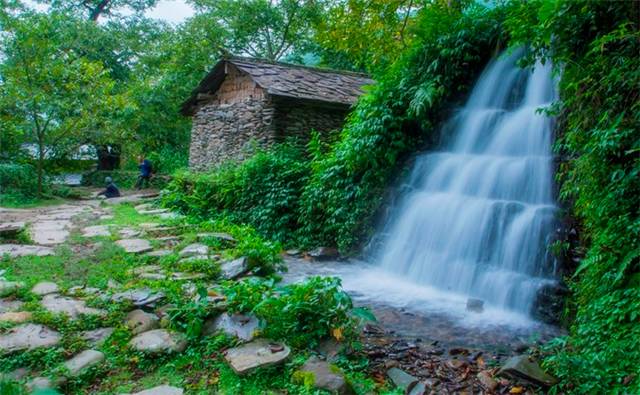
(40,164)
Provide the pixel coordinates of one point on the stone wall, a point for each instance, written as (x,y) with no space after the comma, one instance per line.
(297,119)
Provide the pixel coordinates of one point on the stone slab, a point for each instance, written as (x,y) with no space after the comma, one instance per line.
(8,305)
(95,231)
(160,253)
(83,361)
(239,325)
(135,246)
(51,232)
(160,390)
(28,337)
(72,307)
(45,288)
(97,336)
(522,367)
(159,341)
(194,249)
(231,270)
(139,297)
(18,250)
(256,354)
(16,317)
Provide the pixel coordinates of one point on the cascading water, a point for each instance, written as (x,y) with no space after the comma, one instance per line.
(481,210)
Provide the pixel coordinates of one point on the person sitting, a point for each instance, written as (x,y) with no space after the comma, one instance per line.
(145,172)
(111,191)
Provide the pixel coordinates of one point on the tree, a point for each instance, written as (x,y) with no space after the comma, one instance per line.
(94,9)
(56,97)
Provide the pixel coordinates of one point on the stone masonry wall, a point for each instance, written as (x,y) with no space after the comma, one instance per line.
(298,119)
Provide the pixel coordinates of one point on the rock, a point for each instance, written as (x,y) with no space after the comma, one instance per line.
(16,317)
(238,325)
(549,303)
(28,337)
(139,321)
(7,305)
(231,270)
(10,287)
(112,284)
(82,290)
(179,276)
(146,269)
(487,381)
(85,360)
(326,377)
(521,367)
(401,379)
(156,211)
(106,217)
(97,230)
(194,249)
(256,354)
(330,348)
(160,390)
(139,297)
(49,232)
(11,229)
(170,216)
(149,225)
(324,253)
(159,341)
(72,307)
(456,364)
(160,253)
(15,375)
(135,246)
(97,336)
(129,233)
(475,305)
(18,250)
(153,276)
(144,206)
(293,252)
(225,237)
(45,288)
(40,383)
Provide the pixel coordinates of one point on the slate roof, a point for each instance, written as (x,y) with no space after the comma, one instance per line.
(287,80)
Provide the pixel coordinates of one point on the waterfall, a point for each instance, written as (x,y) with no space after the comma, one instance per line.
(480,210)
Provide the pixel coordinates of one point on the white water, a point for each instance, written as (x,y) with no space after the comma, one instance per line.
(477,220)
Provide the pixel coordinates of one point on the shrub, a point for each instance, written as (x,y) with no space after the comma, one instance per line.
(18,183)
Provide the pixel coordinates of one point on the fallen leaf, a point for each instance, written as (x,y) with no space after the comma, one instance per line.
(337,334)
(516,390)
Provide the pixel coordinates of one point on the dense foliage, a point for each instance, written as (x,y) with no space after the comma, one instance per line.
(595,46)
(17,183)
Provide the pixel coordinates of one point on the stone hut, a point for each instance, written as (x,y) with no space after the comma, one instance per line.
(243,100)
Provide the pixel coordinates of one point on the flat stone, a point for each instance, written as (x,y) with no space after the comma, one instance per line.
(226,237)
(50,232)
(521,367)
(95,231)
(153,276)
(17,317)
(149,225)
(97,336)
(139,297)
(156,211)
(28,337)
(81,290)
(10,287)
(40,383)
(401,379)
(239,325)
(135,246)
(10,229)
(83,361)
(231,270)
(194,249)
(159,341)
(179,276)
(256,354)
(18,250)
(106,217)
(160,253)
(72,307)
(129,232)
(326,377)
(195,258)
(160,390)
(139,321)
(45,288)
(146,269)
(7,305)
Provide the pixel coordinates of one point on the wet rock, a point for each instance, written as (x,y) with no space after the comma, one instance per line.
(256,354)
(45,288)
(549,303)
(97,230)
(139,321)
(522,367)
(83,361)
(18,250)
(238,325)
(72,307)
(326,377)
(28,337)
(401,379)
(160,390)
(135,246)
(324,253)
(231,270)
(487,381)
(139,297)
(17,317)
(97,336)
(475,305)
(7,305)
(10,287)
(159,341)
(194,249)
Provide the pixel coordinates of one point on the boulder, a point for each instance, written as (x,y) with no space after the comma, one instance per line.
(28,337)
(139,297)
(57,304)
(18,250)
(9,287)
(256,354)
(139,321)
(239,325)
(160,390)
(325,376)
(45,288)
(83,361)
(17,317)
(97,336)
(231,270)
(522,367)
(475,305)
(324,253)
(159,341)
(97,230)
(135,246)
(549,303)
(194,249)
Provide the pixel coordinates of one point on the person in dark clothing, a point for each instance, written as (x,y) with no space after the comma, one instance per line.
(111,191)
(145,172)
